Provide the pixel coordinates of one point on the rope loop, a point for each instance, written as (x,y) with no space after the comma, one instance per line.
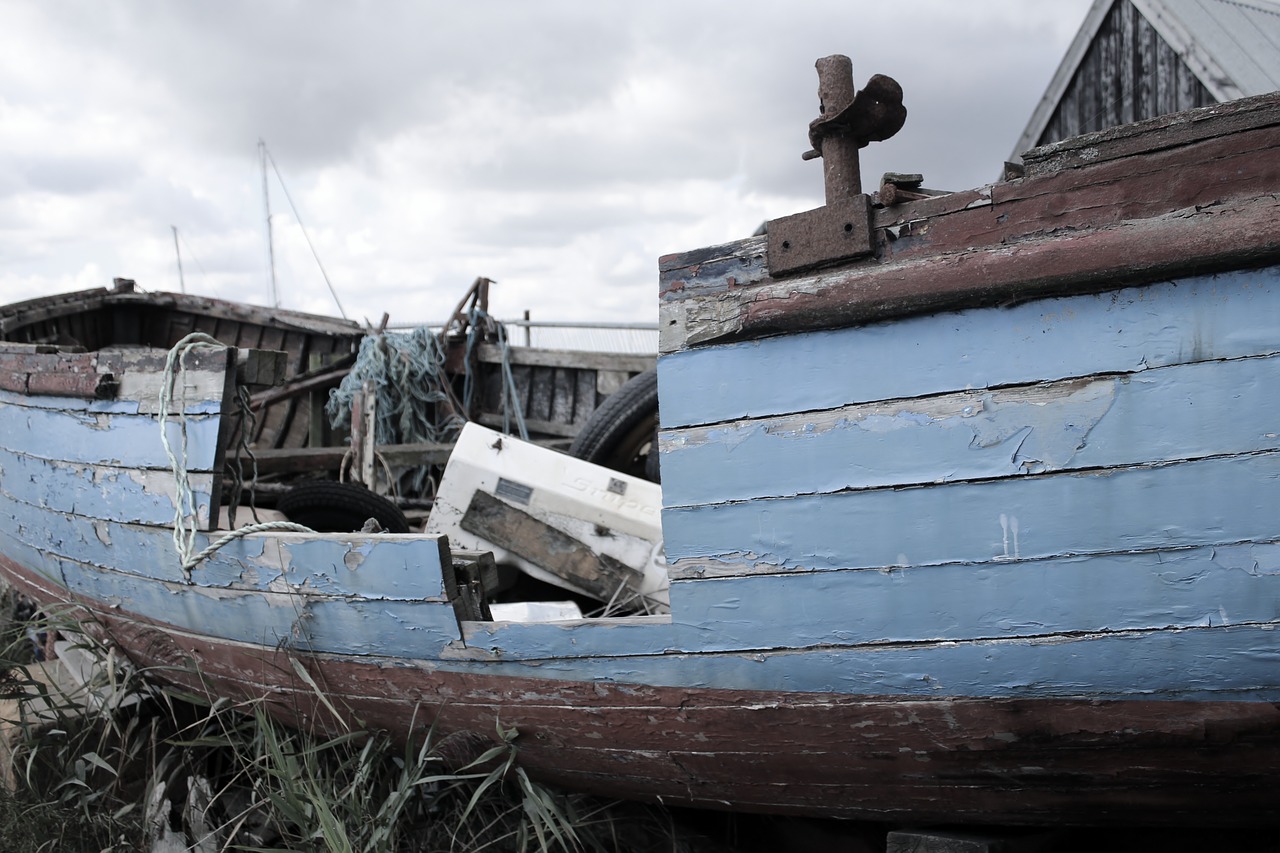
(185,510)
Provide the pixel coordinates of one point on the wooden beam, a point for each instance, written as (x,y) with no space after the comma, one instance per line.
(1201,208)
(492,354)
(545,546)
(302,459)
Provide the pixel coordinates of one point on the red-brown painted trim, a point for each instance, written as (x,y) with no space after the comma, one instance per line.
(1018,761)
(1184,199)
(1229,236)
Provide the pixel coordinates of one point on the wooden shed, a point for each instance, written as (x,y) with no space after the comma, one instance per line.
(1137,59)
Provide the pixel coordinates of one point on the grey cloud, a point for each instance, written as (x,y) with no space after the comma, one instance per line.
(74,175)
(503,114)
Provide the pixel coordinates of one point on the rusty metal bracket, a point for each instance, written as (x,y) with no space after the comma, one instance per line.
(849,120)
(840,231)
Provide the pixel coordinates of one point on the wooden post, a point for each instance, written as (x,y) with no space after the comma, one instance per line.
(363,436)
(841,172)
(315,405)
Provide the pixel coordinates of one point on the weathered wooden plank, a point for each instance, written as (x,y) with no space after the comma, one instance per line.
(1217,237)
(1127,18)
(99,386)
(122,433)
(1194,663)
(18,315)
(261,367)
(1165,414)
(1106,72)
(289,618)
(959,603)
(969,248)
(1231,315)
(541,392)
(493,388)
(562,394)
(578,359)
(531,538)
(894,788)
(101,491)
(173,326)
(1160,183)
(251,315)
(867,753)
(534,425)
(107,438)
(1157,183)
(303,459)
(584,395)
(1166,506)
(1152,590)
(273,421)
(139,374)
(374,566)
(1190,663)
(90,386)
(1048,749)
(1166,78)
(322,379)
(1145,68)
(1044,748)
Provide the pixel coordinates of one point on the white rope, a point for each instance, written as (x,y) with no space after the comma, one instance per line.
(184,520)
(285,526)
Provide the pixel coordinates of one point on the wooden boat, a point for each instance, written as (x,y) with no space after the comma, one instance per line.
(968,508)
(557,391)
(123,317)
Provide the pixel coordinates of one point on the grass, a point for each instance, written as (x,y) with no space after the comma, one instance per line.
(154,769)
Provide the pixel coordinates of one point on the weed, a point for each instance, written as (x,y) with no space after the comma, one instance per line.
(124,763)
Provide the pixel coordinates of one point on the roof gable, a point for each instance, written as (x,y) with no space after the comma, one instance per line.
(1136,59)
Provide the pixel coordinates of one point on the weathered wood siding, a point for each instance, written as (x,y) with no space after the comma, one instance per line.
(97,319)
(941,759)
(104,458)
(1051,483)
(1026,449)
(88,499)
(557,390)
(1192,193)
(995,611)
(1129,73)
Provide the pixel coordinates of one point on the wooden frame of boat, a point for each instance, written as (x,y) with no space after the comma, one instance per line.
(975,525)
(557,389)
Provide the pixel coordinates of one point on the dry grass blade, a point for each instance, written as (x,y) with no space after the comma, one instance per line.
(172,767)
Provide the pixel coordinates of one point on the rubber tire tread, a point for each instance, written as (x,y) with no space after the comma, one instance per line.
(328,506)
(615,418)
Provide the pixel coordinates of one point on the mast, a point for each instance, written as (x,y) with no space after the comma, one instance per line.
(266,201)
(182,282)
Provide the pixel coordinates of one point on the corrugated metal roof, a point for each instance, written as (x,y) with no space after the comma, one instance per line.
(1232,47)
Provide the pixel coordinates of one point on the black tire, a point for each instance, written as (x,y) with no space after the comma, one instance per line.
(328,506)
(622,433)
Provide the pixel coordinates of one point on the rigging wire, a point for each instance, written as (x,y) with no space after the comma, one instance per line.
(204,274)
(266,202)
(272,160)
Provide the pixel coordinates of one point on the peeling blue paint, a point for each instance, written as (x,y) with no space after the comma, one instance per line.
(103,438)
(1188,504)
(1160,415)
(1230,315)
(393,566)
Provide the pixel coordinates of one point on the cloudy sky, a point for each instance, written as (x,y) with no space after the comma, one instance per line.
(556,147)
